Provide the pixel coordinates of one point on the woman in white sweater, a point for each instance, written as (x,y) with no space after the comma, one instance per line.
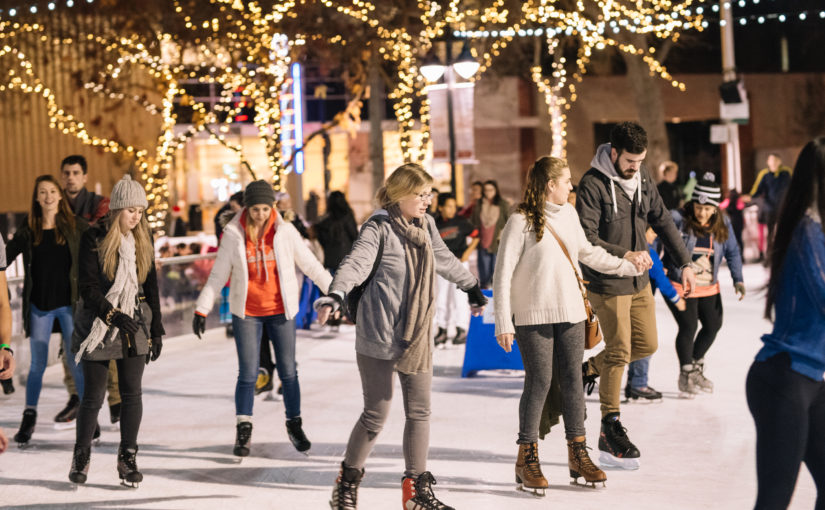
(538,300)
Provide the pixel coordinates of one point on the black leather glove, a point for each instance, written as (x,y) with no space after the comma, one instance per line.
(125,323)
(154,350)
(198,325)
(476,297)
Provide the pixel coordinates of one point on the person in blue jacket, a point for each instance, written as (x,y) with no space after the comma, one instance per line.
(637,386)
(709,237)
(785,387)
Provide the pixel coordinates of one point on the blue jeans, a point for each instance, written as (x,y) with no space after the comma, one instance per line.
(486,265)
(281,333)
(41,330)
(637,372)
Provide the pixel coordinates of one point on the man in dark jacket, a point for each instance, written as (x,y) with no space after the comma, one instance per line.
(91,207)
(769,189)
(617,200)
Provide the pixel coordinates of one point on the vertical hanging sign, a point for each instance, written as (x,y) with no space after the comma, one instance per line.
(292,119)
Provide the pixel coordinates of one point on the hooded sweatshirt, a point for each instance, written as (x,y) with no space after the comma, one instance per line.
(615,214)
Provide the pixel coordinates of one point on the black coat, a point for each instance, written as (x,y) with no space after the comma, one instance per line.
(624,229)
(93,286)
(23,242)
(336,236)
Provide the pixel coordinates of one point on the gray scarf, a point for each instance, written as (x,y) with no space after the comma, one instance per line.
(418,307)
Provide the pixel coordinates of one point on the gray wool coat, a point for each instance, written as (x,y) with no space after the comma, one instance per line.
(378,326)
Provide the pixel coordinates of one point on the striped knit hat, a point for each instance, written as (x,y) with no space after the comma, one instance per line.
(707,192)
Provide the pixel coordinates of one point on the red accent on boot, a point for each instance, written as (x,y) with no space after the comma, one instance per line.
(407,491)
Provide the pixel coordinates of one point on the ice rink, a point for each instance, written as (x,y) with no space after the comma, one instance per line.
(696,454)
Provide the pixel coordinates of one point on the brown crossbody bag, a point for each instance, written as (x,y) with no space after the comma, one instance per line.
(592,331)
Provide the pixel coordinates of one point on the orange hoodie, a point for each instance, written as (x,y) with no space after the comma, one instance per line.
(263,296)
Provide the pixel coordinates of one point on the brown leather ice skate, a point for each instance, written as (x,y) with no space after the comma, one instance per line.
(528,470)
(581,466)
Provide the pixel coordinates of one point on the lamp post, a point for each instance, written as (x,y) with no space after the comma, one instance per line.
(432,69)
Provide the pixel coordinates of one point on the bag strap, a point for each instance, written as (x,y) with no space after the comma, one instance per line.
(566,254)
(377,263)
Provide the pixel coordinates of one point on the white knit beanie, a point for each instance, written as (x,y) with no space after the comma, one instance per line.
(127,193)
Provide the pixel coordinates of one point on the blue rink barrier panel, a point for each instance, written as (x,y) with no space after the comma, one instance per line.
(482,352)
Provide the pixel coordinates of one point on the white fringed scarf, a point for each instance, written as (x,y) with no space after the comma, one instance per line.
(122,295)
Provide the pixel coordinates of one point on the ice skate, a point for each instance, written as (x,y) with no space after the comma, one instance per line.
(417,493)
(127,467)
(460,337)
(588,378)
(68,414)
(114,413)
(615,448)
(296,435)
(687,384)
(8,386)
(699,380)
(96,436)
(24,435)
(646,394)
(80,464)
(440,337)
(345,492)
(243,436)
(580,465)
(528,470)
(264,382)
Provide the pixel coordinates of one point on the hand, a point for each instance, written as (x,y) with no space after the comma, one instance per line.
(4,441)
(476,311)
(476,298)
(324,314)
(154,350)
(505,340)
(326,306)
(688,281)
(198,324)
(640,259)
(125,323)
(7,364)
(740,290)
(681,305)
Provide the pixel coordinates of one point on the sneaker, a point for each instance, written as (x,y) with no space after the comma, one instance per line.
(460,337)
(699,379)
(687,382)
(243,436)
(646,393)
(114,413)
(68,413)
(615,448)
(296,434)
(588,378)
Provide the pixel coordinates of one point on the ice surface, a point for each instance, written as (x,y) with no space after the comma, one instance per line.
(695,454)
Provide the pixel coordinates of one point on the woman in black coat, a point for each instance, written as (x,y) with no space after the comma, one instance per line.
(119,319)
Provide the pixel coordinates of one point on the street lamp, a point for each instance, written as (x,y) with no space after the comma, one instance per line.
(432,69)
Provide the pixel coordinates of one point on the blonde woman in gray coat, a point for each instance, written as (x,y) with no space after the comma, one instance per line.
(394,327)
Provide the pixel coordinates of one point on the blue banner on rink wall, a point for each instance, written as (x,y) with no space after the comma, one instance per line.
(482,352)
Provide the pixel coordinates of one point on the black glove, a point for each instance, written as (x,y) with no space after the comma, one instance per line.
(154,350)
(198,325)
(476,297)
(125,323)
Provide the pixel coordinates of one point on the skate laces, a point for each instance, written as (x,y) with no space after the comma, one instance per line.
(620,437)
(244,432)
(580,453)
(347,495)
(129,458)
(531,460)
(589,381)
(424,491)
(81,458)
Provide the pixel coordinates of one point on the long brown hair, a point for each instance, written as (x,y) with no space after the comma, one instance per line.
(63,219)
(541,173)
(144,252)
(716,226)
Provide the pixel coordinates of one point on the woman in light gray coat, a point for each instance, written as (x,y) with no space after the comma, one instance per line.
(394,327)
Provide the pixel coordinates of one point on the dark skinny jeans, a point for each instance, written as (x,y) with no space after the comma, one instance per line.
(789,412)
(691,346)
(130,376)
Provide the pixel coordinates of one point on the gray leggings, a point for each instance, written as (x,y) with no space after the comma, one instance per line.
(536,344)
(376,382)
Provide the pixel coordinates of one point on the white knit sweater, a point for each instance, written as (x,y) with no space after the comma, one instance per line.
(533,283)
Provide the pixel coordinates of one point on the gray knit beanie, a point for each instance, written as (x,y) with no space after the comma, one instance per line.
(127,193)
(258,192)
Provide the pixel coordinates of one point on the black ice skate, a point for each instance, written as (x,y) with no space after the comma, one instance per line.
(615,448)
(460,337)
(588,378)
(440,337)
(297,436)
(646,394)
(417,493)
(114,413)
(80,464)
(345,492)
(26,427)
(127,467)
(8,386)
(243,436)
(65,419)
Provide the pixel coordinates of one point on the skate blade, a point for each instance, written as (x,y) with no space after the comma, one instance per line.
(589,485)
(537,492)
(608,460)
(272,397)
(129,485)
(686,395)
(25,446)
(65,425)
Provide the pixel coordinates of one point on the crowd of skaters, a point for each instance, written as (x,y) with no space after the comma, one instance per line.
(408,264)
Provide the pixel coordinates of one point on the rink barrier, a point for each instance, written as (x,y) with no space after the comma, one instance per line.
(482,351)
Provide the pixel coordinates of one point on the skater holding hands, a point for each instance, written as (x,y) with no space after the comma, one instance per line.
(539,301)
(393,331)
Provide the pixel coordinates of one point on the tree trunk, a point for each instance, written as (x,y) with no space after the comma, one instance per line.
(648,97)
(376,111)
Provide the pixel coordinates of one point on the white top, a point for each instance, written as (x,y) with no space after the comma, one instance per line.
(533,282)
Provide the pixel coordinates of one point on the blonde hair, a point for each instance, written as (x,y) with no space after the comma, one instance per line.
(545,170)
(250,229)
(404,181)
(111,244)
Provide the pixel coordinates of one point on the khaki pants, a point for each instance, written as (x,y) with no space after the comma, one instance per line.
(629,327)
(112,385)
